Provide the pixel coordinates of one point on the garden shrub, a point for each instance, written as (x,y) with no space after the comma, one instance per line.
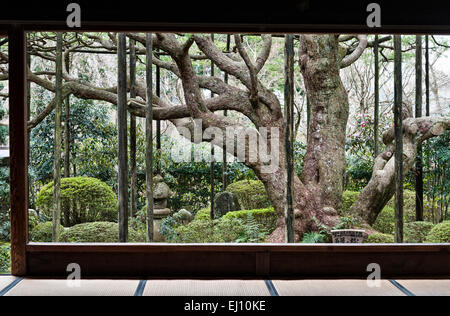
(43,232)
(98,232)
(5,224)
(440,234)
(380,239)
(5,258)
(251,194)
(267,218)
(385,222)
(314,238)
(83,200)
(416,232)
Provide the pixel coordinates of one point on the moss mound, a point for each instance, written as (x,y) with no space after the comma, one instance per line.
(250,194)
(43,232)
(440,234)
(385,222)
(380,239)
(267,217)
(98,232)
(416,232)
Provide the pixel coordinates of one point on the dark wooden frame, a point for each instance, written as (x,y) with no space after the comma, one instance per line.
(193,261)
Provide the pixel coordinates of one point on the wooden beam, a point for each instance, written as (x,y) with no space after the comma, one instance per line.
(240,261)
(123,141)
(427,74)
(377,97)
(398,122)
(213,163)
(133,167)
(289,136)
(18,149)
(149,139)
(419,164)
(57,141)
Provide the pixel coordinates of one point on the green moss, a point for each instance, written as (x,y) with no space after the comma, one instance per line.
(385,222)
(83,200)
(416,232)
(98,232)
(43,232)
(267,217)
(380,239)
(250,194)
(440,234)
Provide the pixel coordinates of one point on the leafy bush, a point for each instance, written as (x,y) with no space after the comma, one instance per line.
(440,234)
(416,232)
(385,222)
(82,199)
(267,218)
(5,224)
(43,232)
(380,239)
(98,232)
(5,258)
(251,194)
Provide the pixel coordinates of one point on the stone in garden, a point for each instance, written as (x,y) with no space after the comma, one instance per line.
(161,192)
(349,236)
(224,203)
(184,216)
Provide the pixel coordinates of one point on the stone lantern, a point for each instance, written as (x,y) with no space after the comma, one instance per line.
(161,192)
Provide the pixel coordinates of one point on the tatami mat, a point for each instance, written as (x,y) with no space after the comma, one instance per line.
(427,287)
(334,288)
(205,288)
(32,287)
(6,280)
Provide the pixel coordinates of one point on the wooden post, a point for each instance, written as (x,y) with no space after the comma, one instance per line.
(427,75)
(149,138)
(57,141)
(123,142)
(398,121)
(133,171)
(67,128)
(377,97)
(225,113)
(18,149)
(213,164)
(158,123)
(419,164)
(289,138)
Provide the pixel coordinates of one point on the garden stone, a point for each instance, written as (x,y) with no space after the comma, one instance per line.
(184,216)
(224,203)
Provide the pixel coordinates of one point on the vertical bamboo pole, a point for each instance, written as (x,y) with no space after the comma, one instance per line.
(289,138)
(225,113)
(398,139)
(427,74)
(213,164)
(158,123)
(419,164)
(149,138)
(57,140)
(377,97)
(123,141)
(133,168)
(67,128)
(18,134)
